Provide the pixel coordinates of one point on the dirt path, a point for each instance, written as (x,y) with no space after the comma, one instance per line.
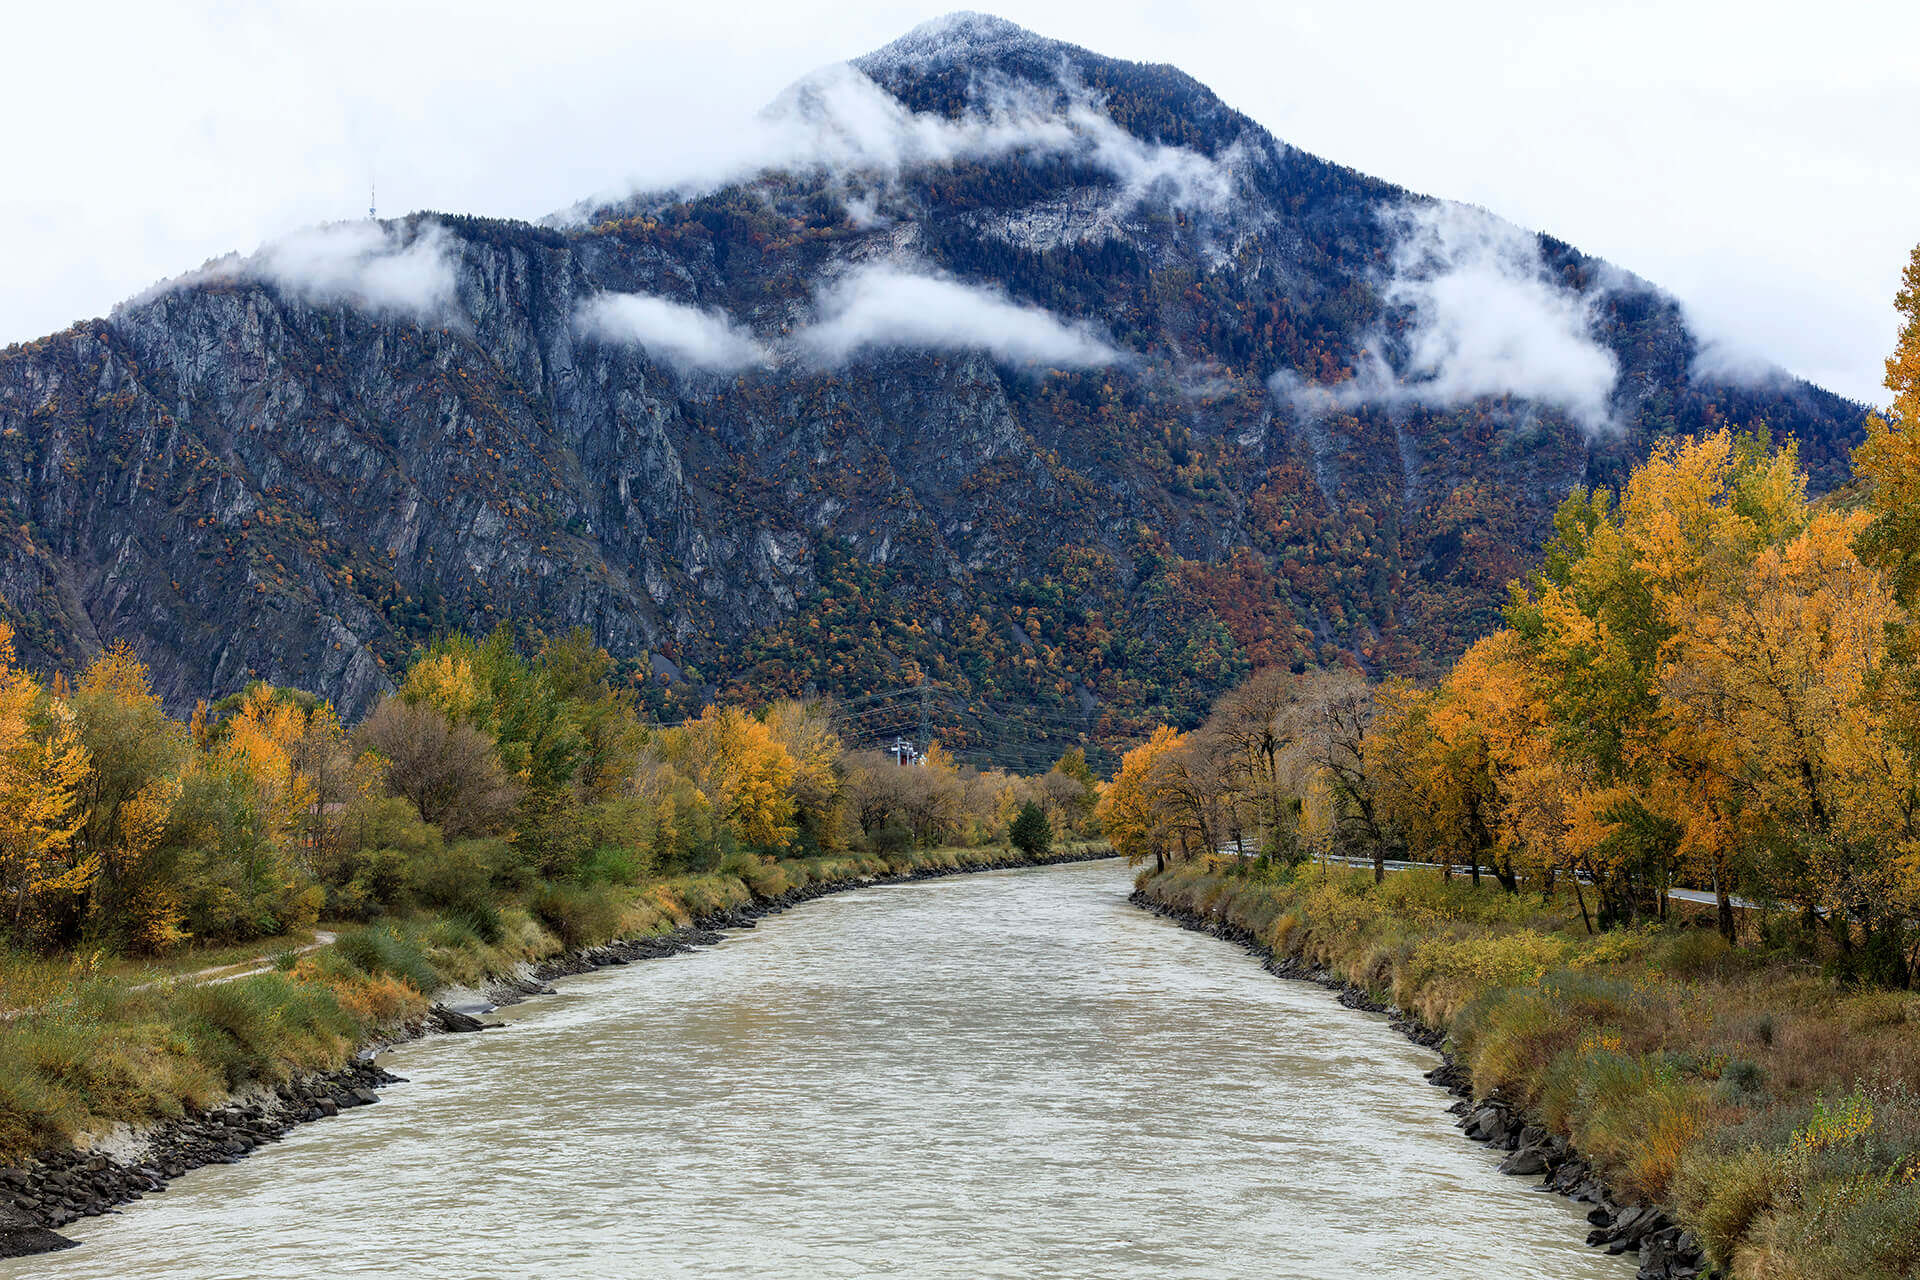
(241,968)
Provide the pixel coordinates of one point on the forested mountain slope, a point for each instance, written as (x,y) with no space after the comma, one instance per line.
(1043,382)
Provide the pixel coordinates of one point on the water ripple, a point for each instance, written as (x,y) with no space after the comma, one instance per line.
(1012,1075)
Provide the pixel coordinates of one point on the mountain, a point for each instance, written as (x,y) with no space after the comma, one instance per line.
(996,385)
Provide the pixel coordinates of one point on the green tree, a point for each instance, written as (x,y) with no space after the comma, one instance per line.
(1031,833)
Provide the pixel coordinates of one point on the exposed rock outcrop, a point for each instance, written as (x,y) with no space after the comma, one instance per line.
(246,475)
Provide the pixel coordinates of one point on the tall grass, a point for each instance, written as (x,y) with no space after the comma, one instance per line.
(1691,1072)
(84,1046)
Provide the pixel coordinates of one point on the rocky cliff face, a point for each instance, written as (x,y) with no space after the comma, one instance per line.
(1042,380)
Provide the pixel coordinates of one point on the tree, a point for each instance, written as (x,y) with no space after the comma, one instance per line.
(1768,680)
(1196,787)
(1031,833)
(138,754)
(1254,720)
(43,765)
(1130,809)
(1071,788)
(932,797)
(577,673)
(1889,459)
(805,729)
(449,771)
(1329,726)
(744,772)
(872,786)
(258,743)
(1067,797)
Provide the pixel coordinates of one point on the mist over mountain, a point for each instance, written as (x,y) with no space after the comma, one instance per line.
(1042,384)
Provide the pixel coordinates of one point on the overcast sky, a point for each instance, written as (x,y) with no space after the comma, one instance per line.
(1760,160)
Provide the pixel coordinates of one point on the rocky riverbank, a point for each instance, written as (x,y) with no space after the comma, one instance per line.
(58,1188)
(1665,1250)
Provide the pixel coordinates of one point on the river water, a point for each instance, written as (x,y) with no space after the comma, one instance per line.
(1011,1074)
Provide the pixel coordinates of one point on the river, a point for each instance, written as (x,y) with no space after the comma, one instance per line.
(1013,1074)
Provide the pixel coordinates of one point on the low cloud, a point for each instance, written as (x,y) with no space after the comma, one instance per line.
(371,266)
(687,338)
(1485,318)
(890,306)
(1185,178)
(875,307)
(1722,360)
(365,264)
(838,122)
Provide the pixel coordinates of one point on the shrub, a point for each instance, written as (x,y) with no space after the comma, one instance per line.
(612,864)
(1696,954)
(1863,1228)
(481,918)
(252,1027)
(454,875)
(1741,1076)
(380,842)
(29,1109)
(892,837)
(1727,1191)
(578,917)
(234,883)
(1878,1009)
(379,950)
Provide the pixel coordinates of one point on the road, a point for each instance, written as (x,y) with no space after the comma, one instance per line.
(1701,897)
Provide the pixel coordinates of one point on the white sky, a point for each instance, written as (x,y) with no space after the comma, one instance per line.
(1761,160)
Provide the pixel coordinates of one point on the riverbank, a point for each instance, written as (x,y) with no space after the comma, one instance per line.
(271,1051)
(1773,1112)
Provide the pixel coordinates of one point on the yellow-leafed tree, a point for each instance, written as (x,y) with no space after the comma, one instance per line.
(1130,809)
(42,767)
(137,753)
(744,772)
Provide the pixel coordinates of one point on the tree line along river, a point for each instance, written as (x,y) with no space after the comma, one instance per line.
(1014,1074)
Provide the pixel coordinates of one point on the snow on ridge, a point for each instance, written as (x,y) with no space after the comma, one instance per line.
(961,36)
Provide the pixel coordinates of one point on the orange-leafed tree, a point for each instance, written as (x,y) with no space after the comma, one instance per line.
(1130,809)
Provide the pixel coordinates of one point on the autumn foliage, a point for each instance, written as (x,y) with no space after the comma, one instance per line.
(1709,682)
(500,767)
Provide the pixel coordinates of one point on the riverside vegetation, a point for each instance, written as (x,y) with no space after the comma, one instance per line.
(507,805)
(1711,682)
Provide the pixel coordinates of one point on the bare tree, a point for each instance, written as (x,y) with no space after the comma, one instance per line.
(1255,720)
(1191,786)
(1330,727)
(873,787)
(449,771)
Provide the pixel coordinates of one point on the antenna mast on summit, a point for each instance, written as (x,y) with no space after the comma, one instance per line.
(371,215)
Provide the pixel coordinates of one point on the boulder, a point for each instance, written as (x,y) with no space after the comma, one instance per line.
(22,1237)
(1486,1124)
(453,1020)
(1525,1162)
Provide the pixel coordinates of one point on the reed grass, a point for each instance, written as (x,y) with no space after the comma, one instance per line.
(1775,1110)
(87,1043)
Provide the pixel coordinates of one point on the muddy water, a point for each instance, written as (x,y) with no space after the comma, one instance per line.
(1014,1074)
